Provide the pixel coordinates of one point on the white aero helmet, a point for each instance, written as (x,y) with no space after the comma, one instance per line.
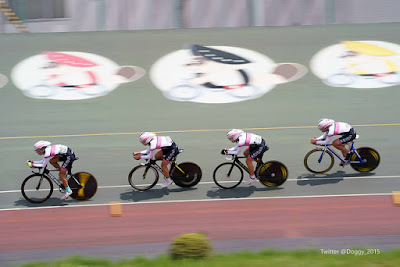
(145,138)
(323,123)
(233,134)
(41,144)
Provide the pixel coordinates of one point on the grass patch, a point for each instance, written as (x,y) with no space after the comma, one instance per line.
(255,259)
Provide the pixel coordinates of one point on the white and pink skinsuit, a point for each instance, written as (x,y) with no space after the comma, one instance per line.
(157,142)
(245,139)
(50,152)
(336,128)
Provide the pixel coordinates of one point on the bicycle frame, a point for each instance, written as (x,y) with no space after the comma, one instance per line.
(47,172)
(159,169)
(236,158)
(352,149)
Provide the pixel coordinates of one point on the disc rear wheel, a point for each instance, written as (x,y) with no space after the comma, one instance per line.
(273,173)
(370,157)
(190,176)
(83,187)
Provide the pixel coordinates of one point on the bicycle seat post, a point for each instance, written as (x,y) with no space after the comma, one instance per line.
(172,165)
(259,162)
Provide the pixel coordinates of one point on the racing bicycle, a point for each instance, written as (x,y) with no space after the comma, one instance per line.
(38,187)
(321,160)
(145,176)
(228,175)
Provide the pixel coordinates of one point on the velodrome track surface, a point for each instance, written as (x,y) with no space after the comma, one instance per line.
(103,132)
(329,223)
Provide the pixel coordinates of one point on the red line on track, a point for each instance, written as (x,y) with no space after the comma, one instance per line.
(221,220)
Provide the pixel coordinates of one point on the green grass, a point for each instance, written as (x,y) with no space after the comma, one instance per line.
(263,258)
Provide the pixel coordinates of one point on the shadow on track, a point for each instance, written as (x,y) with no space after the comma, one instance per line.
(51,202)
(137,196)
(238,192)
(333,178)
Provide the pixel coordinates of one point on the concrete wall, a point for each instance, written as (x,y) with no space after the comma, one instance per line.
(95,15)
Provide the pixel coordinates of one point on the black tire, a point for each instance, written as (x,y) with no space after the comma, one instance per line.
(37,188)
(273,173)
(191,176)
(228,175)
(143,177)
(86,188)
(369,155)
(312,164)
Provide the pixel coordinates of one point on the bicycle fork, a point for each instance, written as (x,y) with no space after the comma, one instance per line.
(146,170)
(40,183)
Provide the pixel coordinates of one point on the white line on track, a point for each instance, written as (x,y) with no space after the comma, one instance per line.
(202,200)
(289,180)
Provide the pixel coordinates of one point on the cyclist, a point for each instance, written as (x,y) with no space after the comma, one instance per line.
(168,150)
(256,148)
(55,154)
(330,128)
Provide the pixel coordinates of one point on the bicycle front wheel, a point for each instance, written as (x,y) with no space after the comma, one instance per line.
(273,173)
(228,175)
(37,188)
(186,174)
(370,159)
(83,187)
(318,161)
(143,177)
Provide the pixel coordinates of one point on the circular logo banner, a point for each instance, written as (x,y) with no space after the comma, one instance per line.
(219,74)
(70,75)
(358,64)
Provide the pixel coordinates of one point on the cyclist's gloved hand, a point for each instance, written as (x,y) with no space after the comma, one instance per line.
(223,151)
(29,163)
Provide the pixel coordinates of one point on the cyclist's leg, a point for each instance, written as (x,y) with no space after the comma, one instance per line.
(257,151)
(249,162)
(341,142)
(160,155)
(54,162)
(63,177)
(338,145)
(67,159)
(167,154)
(253,153)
